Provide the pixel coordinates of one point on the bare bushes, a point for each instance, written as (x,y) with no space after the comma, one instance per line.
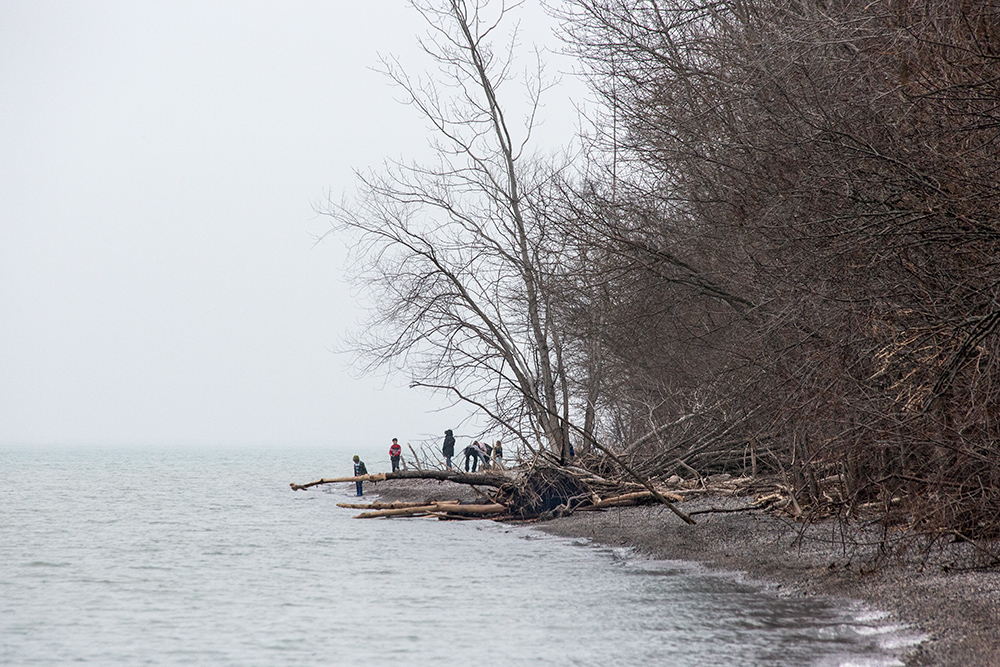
(808,194)
(779,255)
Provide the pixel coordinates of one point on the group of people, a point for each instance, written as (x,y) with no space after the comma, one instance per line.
(478,456)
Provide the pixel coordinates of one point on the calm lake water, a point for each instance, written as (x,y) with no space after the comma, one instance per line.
(130,557)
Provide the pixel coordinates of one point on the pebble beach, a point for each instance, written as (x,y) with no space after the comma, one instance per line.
(930,589)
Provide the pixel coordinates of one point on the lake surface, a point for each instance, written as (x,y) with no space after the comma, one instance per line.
(131,557)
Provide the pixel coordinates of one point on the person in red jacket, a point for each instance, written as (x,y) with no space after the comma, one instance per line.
(394,453)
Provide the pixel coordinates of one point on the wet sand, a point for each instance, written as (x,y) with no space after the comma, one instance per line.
(959,611)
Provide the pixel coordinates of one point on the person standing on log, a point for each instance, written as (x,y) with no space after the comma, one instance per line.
(395,451)
(498,454)
(472,452)
(359,470)
(448,450)
(485,451)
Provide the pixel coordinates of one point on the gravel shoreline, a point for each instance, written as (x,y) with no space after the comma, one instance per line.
(959,612)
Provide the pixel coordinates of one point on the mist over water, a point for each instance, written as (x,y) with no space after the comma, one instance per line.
(183,557)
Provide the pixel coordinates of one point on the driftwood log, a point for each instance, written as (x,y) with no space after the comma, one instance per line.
(438,508)
(379,477)
(399,504)
(491,479)
(636,498)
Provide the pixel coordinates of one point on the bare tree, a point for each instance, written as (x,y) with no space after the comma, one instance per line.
(454,254)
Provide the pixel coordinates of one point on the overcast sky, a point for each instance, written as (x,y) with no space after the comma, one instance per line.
(159,168)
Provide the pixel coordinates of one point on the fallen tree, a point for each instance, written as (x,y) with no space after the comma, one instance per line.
(492,479)
(545,489)
(379,477)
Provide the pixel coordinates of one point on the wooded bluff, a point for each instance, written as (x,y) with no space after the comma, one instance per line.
(773,251)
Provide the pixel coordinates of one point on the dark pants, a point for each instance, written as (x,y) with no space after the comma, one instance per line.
(358,486)
(395,463)
(447,462)
(475,460)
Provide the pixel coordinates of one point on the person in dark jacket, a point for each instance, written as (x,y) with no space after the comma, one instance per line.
(472,453)
(359,470)
(395,451)
(448,450)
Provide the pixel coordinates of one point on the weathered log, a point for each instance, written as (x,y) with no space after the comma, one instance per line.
(399,511)
(378,477)
(399,504)
(450,507)
(627,499)
(493,479)
(471,510)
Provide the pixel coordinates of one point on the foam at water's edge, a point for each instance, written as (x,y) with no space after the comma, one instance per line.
(896,639)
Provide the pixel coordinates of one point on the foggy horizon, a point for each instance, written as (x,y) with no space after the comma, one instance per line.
(160,280)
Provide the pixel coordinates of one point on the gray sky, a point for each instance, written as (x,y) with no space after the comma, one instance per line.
(159,167)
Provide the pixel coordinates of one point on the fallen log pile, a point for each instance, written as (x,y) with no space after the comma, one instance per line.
(545,490)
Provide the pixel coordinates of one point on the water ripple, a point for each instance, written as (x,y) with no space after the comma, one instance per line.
(130,557)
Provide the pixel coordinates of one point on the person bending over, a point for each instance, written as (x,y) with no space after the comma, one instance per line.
(472,454)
